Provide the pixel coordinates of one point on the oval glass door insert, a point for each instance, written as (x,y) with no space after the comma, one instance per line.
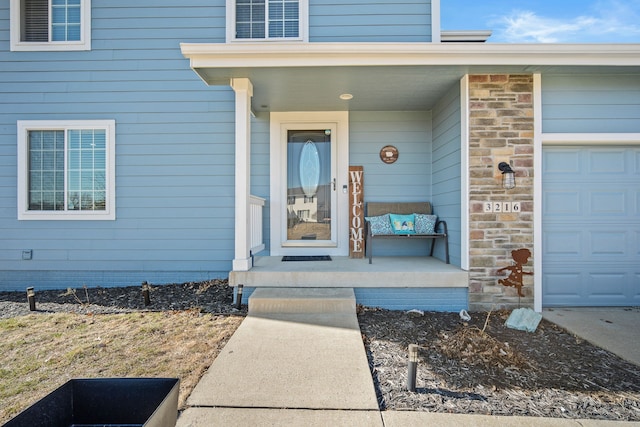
(309,169)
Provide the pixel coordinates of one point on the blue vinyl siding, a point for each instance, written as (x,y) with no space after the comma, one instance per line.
(426,299)
(446,170)
(590,103)
(406,180)
(369,21)
(174,150)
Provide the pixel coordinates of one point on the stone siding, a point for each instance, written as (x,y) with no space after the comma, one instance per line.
(500,130)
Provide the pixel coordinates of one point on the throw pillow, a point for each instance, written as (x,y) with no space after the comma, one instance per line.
(425,224)
(379,224)
(403,224)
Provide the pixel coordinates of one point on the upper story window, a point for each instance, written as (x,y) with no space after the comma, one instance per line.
(38,25)
(66,170)
(266,20)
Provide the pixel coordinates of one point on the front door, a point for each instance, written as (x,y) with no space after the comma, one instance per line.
(311,186)
(308,185)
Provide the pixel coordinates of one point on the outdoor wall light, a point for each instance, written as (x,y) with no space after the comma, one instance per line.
(508,175)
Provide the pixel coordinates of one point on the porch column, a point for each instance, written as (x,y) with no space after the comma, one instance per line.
(244,91)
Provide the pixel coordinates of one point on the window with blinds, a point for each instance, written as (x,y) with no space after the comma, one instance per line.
(267,19)
(82,185)
(35,21)
(50,24)
(66,169)
(283,18)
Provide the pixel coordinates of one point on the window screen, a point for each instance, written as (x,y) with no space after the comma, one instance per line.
(250,19)
(259,19)
(283,18)
(67,171)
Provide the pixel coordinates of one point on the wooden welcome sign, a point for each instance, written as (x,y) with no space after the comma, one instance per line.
(356,212)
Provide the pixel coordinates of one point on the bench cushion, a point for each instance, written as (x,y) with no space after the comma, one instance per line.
(425,224)
(403,224)
(380,224)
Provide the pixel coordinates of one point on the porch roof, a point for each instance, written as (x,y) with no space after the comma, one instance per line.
(386,76)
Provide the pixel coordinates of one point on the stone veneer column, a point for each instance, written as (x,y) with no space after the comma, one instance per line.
(500,129)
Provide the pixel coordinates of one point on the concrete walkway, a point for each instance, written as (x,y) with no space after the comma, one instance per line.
(298,360)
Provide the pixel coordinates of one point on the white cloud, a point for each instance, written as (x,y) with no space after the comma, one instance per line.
(609,21)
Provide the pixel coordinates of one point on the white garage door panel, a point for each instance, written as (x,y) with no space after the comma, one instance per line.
(591,226)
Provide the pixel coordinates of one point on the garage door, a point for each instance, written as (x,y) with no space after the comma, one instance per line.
(591,226)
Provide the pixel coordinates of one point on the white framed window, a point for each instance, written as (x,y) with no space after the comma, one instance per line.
(270,20)
(40,25)
(66,170)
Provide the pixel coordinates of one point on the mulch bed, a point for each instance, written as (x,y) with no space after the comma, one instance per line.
(212,296)
(470,368)
(466,368)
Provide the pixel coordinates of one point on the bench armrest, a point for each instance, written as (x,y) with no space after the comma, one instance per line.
(442,223)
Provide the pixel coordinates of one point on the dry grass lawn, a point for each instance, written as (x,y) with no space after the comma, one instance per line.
(38,353)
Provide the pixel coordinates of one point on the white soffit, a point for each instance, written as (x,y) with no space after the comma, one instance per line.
(386,76)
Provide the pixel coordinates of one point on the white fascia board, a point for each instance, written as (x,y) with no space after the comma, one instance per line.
(590,138)
(222,55)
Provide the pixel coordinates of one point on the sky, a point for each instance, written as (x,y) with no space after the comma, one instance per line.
(546,21)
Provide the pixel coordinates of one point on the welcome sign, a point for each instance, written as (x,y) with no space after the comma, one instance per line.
(356,214)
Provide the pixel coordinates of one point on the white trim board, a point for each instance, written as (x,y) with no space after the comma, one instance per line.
(555,139)
(340,120)
(17,45)
(590,138)
(464,172)
(537,192)
(23,128)
(436,36)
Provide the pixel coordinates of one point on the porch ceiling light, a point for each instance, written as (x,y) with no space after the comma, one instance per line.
(508,175)
(346,96)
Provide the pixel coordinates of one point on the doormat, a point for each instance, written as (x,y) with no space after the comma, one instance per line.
(306,258)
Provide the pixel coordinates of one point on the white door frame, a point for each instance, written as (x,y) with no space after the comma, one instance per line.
(279,121)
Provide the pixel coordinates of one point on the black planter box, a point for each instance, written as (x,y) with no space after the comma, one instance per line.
(124,402)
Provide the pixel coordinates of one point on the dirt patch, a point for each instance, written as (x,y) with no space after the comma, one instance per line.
(502,371)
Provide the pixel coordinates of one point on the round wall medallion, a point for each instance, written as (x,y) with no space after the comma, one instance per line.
(389,154)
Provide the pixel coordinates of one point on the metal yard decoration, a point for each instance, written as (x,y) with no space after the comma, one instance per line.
(516,272)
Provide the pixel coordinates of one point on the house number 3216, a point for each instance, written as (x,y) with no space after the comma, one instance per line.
(501,207)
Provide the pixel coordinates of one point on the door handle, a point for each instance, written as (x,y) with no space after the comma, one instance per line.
(334,184)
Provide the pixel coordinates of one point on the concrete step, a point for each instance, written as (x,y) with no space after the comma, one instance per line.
(264,301)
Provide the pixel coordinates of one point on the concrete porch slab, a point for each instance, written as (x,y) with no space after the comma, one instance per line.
(385,272)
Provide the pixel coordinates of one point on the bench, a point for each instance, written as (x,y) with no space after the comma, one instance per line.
(374,209)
